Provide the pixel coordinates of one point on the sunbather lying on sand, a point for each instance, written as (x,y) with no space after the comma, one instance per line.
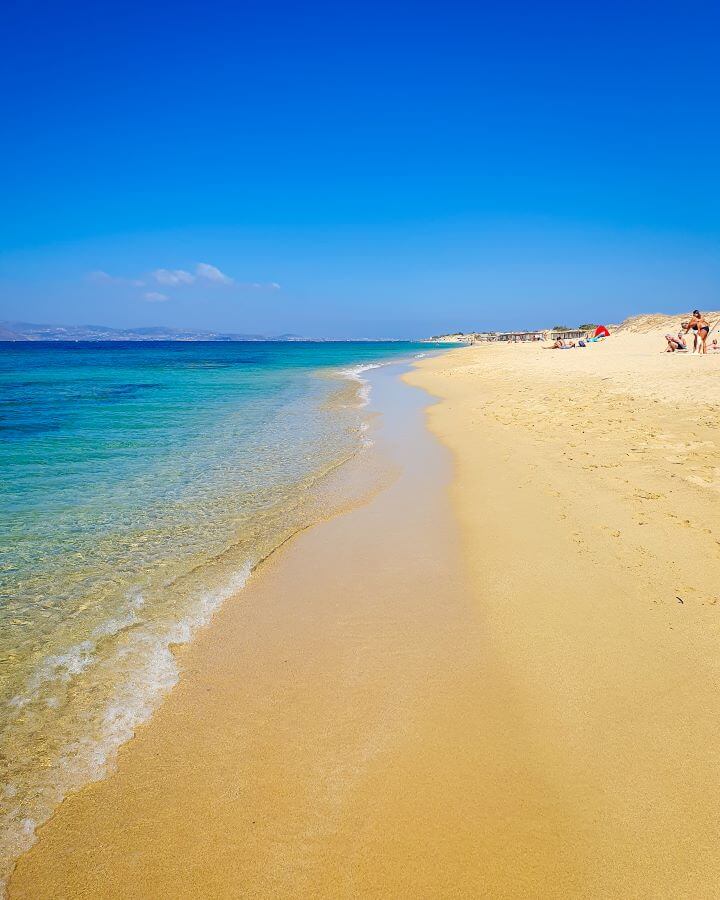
(561,345)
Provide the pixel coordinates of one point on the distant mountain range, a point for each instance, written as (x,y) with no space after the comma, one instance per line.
(25,331)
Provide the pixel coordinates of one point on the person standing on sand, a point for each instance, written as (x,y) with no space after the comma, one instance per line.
(683,330)
(700,325)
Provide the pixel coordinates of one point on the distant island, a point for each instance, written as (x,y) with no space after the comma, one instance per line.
(25,331)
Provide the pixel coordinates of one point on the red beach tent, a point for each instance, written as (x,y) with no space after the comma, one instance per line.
(601,331)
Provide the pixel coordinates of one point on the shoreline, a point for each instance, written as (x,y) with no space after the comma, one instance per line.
(327,492)
(480,683)
(303,581)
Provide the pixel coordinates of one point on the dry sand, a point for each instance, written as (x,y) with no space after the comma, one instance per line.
(395,708)
(588,490)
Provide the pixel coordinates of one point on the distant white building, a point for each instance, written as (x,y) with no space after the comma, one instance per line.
(572,334)
(520,337)
(513,337)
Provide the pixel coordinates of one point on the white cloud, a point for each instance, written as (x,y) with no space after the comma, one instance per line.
(155,297)
(260,286)
(212,273)
(177,277)
(100,277)
(173,276)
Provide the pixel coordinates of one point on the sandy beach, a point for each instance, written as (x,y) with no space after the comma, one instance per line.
(496,678)
(587,485)
(360,452)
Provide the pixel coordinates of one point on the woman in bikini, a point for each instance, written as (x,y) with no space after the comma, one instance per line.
(699,324)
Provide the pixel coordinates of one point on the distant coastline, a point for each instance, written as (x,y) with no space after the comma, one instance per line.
(26,331)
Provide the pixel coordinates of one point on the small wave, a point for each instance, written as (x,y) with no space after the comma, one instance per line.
(59,668)
(149,671)
(208,604)
(364,439)
(355,374)
(115,626)
(356,371)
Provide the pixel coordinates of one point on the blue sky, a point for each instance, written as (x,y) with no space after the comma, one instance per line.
(359,169)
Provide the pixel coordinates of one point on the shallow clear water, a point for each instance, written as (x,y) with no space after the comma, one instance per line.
(141,483)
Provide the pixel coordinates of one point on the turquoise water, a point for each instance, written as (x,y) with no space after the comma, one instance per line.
(141,483)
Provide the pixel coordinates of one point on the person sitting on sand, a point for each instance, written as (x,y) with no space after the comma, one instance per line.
(675,343)
(683,327)
(701,327)
(714,346)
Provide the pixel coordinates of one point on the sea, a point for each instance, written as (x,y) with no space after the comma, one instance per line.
(140,486)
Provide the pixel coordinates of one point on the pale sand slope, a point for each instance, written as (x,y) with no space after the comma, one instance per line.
(588,489)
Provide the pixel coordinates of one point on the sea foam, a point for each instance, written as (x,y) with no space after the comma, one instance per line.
(356,374)
(150,672)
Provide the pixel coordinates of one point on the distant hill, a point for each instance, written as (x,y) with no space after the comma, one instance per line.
(26,331)
(7,335)
(458,337)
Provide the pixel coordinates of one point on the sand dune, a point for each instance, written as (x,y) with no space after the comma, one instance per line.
(659,323)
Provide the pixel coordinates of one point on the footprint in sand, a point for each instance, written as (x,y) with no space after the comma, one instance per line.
(713,484)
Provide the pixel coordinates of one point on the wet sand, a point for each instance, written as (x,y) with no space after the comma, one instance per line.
(491,691)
